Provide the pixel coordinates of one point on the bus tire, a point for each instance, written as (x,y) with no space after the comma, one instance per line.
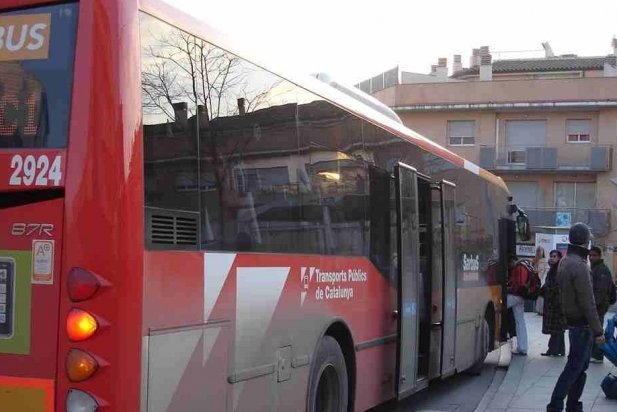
(477,367)
(328,389)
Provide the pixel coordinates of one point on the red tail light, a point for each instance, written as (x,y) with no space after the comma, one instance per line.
(80,325)
(83,285)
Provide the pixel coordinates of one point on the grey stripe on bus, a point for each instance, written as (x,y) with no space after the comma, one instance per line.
(252,373)
(375,342)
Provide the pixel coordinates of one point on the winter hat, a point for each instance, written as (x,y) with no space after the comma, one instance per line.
(579,234)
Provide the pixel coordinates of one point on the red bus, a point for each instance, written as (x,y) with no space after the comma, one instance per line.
(183,225)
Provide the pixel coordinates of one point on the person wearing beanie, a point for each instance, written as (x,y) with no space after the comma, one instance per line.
(579,309)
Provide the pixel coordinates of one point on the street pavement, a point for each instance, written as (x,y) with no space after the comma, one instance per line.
(461,393)
(530,380)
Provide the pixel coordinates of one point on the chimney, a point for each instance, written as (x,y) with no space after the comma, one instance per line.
(486,66)
(434,69)
(242,106)
(442,68)
(614,43)
(181,112)
(457,66)
(202,115)
(610,66)
(474,60)
(548,50)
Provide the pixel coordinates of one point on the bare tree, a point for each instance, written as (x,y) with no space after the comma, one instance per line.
(179,67)
(182,67)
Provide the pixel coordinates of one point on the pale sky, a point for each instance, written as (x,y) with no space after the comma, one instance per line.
(354,40)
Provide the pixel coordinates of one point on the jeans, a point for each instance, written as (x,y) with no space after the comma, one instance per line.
(511,323)
(556,344)
(571,382)
(517,304)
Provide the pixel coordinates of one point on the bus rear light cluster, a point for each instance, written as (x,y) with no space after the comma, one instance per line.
(83,285)
(80,401)
(80,325)
(80,365)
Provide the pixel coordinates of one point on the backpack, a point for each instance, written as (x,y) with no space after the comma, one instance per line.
(530,289)
(609,386)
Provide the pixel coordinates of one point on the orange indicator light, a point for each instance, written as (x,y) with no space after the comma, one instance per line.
(80,365)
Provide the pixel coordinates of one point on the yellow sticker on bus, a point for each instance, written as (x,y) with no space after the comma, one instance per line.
(26,394)
(24,37)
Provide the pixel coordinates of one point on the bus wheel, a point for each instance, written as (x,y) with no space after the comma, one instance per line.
(328,390)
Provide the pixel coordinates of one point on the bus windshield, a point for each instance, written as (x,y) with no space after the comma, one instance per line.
(37,48)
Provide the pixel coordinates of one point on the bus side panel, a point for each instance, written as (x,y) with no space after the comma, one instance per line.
(247,326)
(103,228)
(476,238)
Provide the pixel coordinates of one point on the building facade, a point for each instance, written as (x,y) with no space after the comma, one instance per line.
(547,126)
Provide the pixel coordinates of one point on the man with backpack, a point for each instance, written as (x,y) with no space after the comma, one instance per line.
(523,283)
(603,291)
(579,309)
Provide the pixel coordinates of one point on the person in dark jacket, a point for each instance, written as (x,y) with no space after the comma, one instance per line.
(553,322)
(603,292)
(579,309)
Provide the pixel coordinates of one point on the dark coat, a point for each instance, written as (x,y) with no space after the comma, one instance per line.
(577,301)
(603,286)
(552,317)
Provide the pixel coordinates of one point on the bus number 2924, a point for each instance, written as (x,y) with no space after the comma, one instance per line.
(35,171)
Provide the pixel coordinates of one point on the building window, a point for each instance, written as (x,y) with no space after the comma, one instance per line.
(526,194)
(516,157)
(578,131)
(461,132)
(575,195)
(252,180)
(521,134)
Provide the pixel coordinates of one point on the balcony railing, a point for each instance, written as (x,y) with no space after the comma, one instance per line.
(569,157)
(599,220)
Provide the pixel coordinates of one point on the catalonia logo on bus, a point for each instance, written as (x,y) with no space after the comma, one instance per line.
(24,37)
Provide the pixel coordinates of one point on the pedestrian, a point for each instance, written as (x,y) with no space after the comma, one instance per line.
(540,264)
(553,322)
(579,308)
(603,291)
(517,278)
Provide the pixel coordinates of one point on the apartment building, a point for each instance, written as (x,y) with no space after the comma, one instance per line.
(547,126)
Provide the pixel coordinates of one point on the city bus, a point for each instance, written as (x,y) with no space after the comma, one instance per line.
(187,226)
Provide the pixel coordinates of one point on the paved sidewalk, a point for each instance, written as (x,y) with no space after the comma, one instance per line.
(530,380)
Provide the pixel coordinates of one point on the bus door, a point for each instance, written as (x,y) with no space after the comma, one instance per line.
(434,252)
(441,276)
(448,221)
(408,281)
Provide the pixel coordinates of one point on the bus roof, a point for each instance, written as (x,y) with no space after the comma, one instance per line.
(194,26)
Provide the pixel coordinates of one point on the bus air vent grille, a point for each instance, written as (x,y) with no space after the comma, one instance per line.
(172,229)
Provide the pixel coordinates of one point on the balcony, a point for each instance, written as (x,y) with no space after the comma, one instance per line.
(566,158)
(597,219)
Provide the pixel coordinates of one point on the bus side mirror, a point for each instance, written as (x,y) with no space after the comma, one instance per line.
(522,226)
